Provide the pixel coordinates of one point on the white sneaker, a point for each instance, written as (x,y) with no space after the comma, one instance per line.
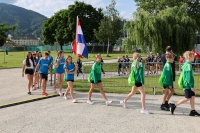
(65,97)
(61,94)
(123,104)
(90,102)
(74,101)
(145,111)
(108,102)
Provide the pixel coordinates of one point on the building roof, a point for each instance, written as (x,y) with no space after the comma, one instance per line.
(24,38)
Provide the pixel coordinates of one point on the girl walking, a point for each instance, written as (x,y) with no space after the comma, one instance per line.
(70,70)
(60,61)
(138,75)
(28,69)
(95,79)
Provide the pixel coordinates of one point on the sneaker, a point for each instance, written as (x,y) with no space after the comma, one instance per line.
(65,97)
(44,93)
(193,113)
(29,93)
(164,107)
(74,101)
(172,108)
(145,111)
(90,102)
(108,102)
(55,91)
(61,94)
(123,104)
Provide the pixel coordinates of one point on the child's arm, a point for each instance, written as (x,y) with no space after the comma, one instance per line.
(23,67)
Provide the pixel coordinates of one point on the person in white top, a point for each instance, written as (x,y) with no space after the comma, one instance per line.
(28,69)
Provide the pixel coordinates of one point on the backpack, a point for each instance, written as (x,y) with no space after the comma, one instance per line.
(181,80)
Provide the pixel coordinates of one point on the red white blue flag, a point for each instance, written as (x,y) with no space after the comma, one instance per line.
(80,46)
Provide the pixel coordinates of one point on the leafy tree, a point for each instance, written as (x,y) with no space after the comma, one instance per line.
(3,30)
(172,26)
(155,6)
(110,28)
(61,27)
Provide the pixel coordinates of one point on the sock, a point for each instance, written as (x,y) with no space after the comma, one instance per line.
(166,102)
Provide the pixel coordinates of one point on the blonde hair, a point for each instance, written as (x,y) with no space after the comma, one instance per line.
(169,55)
(135,56)
(188,54)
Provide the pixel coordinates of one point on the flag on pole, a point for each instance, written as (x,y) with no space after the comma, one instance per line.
(196,55)
(79,47)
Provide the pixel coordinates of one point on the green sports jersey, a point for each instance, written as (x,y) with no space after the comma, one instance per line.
(138,73)
(188,77)
(96,72)
(167,75)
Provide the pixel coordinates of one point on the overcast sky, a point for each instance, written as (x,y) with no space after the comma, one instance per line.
(49,7)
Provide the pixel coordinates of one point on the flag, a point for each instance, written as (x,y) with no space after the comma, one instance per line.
(196,55)
(79,47)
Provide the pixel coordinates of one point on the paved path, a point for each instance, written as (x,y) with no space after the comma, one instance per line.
(57,115)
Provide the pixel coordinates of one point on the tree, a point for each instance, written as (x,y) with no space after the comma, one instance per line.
(110,28)
(171,26)
(155,6)
(61,27)
(3,30)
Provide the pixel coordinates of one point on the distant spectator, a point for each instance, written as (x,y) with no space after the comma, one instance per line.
(151,63)
(79,62)
(127,64)
(123,64)
(119,61)
(158,60)
(148,60)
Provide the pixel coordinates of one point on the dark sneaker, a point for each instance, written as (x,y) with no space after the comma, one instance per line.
(193,113)
(172,108)
(175,94)
(163,107)
(29,93)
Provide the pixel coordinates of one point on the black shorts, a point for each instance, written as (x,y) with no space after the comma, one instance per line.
(138,84)
(29,71)
(167,87)
(44,76)
(189,93)
(92,81)
(70,80)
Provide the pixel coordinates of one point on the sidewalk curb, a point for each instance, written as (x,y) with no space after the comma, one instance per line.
(28,101)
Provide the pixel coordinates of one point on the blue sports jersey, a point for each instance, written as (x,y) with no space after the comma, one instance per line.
(70,68)
(44,65)
(50,58)
(60,68)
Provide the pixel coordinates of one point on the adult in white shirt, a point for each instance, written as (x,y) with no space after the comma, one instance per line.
(28,69)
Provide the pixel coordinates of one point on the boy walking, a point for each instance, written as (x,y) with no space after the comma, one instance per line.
(167,80)
(188,84)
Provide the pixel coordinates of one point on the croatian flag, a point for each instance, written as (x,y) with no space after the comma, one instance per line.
(79,47)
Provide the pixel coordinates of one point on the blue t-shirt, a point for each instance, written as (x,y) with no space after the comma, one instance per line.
(70,68)
(44,66)
(60,68)
(50,58)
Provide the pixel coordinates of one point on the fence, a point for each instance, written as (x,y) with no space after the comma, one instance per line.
(113,78)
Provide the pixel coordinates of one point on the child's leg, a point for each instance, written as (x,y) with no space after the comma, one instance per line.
(102,91)
(143,94)
(170,94)
(70,85)
(43,85)
(90,91)
(61,81)
(29,82)
(166,93)
(131,93)
(57,82)
(192,101)
(182,101)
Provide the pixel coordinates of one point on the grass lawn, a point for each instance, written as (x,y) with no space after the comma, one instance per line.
(120,85)
(14,59)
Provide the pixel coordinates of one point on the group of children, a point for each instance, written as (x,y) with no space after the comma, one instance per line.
(65,66)
(123,65)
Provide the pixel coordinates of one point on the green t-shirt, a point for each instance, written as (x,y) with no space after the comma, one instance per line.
(96,72)
(167,75)
(138,73)
(188,75)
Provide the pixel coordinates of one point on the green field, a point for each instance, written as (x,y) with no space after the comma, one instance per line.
(14,59)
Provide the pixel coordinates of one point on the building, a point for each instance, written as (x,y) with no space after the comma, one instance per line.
(25,40)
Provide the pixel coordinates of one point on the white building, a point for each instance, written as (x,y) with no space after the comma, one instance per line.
(25,40)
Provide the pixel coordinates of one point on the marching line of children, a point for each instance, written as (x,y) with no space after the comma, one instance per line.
(65,66)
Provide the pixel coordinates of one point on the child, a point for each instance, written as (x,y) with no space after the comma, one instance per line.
(167,80)
(188,84)
(119,65)
(60,61)
(79,62)
(70,69)
(28,68)
(44,65)
(138,70)
(95,79)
